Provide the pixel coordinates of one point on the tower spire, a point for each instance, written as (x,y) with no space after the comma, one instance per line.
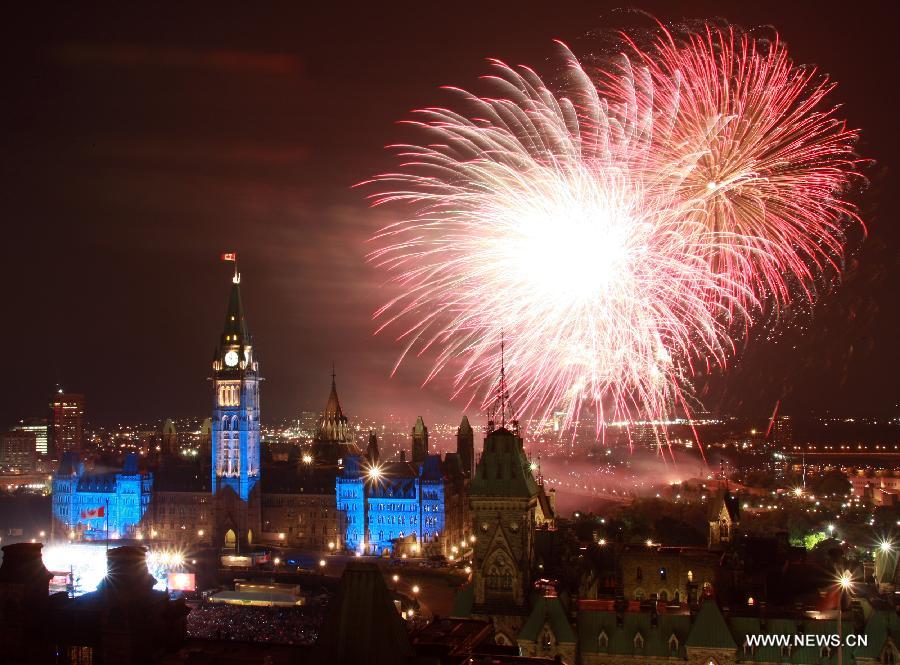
(501,401)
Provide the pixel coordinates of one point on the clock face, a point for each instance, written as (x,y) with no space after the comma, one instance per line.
(231,358)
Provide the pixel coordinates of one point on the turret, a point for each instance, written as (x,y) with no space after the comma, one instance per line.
(372,448)
(465,446)
(419,441)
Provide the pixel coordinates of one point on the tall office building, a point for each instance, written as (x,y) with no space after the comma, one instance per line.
(66,429)
(17,451)
(37,426)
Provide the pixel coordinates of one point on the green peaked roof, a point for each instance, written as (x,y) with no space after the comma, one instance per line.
(503,469)
(710,630)
(463,602)
(547,611)
(235,331)
(362,626)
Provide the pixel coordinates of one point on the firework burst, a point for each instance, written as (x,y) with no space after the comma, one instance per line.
(619,230)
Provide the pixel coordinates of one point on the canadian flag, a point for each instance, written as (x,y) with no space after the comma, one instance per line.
(93,512)
(229,256)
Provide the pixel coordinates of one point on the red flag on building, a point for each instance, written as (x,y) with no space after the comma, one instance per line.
(229,256)
(93,512)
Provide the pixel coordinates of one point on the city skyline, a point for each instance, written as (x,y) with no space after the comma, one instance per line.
(258,155)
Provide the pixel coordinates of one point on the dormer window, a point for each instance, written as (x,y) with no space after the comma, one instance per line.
(673,643)
(638,641)
(603,640)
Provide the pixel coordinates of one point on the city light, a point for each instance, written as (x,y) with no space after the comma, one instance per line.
(845,580)
(415,588)
(307,458)
(374,472)
(886,546)
(321,563)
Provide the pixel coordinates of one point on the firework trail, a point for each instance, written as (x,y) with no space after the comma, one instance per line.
(623,230)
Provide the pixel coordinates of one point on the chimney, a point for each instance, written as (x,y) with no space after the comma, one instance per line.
(126,572)
(24,596)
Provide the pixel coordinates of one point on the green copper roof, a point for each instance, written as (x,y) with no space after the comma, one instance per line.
(235,331)
(547,611)
(463,602)
(710,630)
(882,624)
(743,626)
(503,469)
(621,639)
(362,625)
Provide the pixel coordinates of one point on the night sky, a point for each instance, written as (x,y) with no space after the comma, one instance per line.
(140,143)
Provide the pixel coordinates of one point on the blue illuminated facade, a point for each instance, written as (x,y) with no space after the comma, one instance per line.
(235,419)
(96,506)
(404,500)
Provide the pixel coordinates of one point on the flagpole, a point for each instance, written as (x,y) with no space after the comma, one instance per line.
(107,525)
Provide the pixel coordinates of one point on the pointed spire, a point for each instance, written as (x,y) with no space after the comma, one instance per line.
(333,406)
(235,330)
(501,402)
(464,426)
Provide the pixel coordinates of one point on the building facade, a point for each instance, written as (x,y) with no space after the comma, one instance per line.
(66,424)
(313,499)
(37,426)
(99,506)
(235,430)
(18,451)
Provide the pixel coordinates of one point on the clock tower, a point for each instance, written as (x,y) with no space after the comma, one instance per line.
(235,428)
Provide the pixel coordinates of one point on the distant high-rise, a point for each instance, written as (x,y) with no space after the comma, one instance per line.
(66,428)
(18,450)
(38,426)
(465,446)
(419,441)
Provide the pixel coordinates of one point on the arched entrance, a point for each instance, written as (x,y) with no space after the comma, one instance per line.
(230,539)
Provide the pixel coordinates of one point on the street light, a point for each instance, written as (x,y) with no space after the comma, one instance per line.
(886,546)
(415,588)
(321,563)
(845,583)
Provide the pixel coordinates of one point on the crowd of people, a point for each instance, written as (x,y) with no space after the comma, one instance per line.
(282,625)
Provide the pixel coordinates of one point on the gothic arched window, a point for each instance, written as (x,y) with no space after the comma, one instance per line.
(498,573)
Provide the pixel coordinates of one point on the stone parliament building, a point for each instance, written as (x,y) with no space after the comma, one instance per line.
(329,494)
